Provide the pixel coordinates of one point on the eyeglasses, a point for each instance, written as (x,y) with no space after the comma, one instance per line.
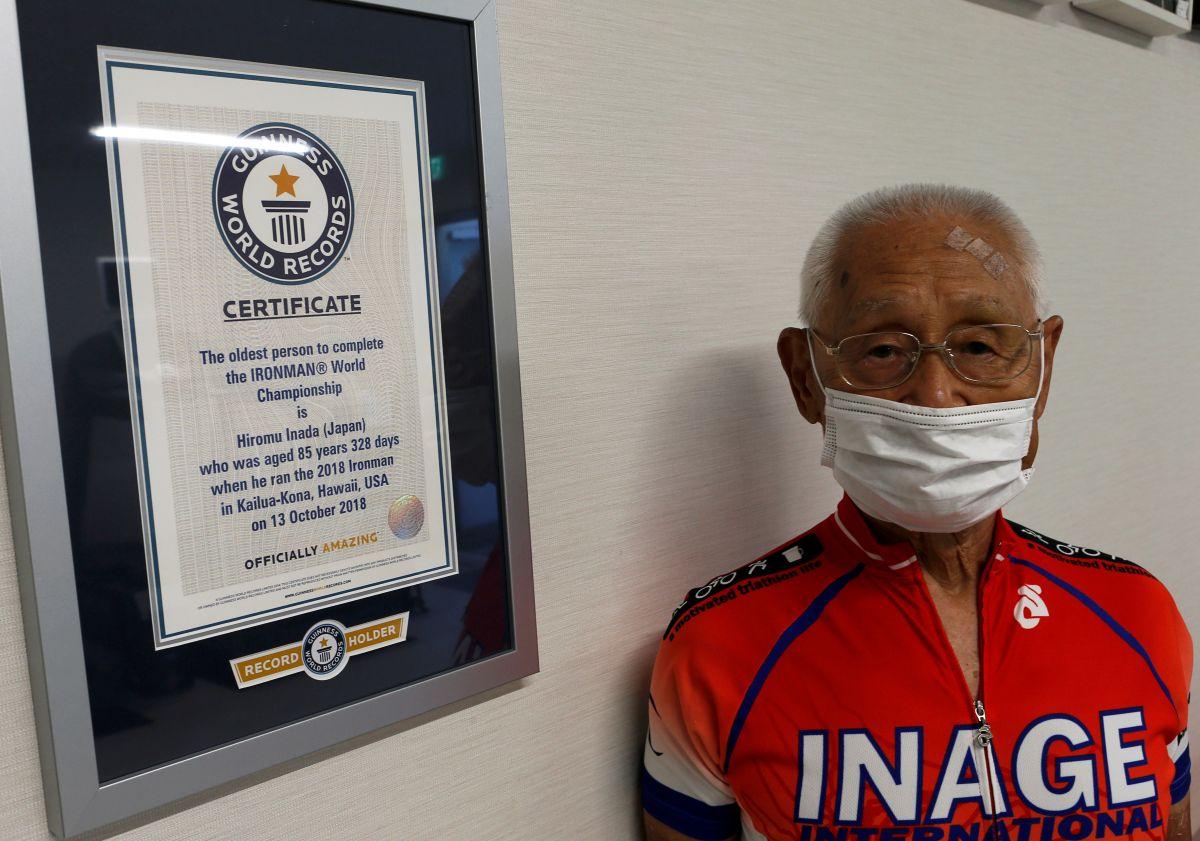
(982,353)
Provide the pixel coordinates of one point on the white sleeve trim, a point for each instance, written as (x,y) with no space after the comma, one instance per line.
(671,767)
(1177,746)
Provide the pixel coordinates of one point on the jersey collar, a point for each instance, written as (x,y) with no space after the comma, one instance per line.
(849,523)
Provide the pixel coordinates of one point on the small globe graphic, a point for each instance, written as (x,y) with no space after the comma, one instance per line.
(406,516)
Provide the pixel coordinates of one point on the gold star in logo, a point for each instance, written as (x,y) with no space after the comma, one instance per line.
(284,183)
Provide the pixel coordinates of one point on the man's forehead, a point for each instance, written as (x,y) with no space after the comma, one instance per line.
(902,246)
(966,300)
(895,265)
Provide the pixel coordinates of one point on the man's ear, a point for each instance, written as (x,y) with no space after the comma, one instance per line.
(794,356)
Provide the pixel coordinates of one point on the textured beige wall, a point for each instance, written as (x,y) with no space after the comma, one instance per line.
(668,163)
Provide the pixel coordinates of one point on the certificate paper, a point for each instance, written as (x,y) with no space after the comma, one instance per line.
(274,235)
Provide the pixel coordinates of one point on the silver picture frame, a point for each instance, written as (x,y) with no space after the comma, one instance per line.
(76,801)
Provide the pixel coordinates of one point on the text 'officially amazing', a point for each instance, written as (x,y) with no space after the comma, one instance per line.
(258,309)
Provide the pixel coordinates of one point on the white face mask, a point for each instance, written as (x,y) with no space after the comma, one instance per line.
(926,469)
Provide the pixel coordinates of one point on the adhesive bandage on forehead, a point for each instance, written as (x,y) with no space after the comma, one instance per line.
(960,239)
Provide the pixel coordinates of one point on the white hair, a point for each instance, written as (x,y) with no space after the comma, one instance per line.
(905,201)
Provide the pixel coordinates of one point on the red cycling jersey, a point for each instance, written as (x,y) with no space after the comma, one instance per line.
(813,694)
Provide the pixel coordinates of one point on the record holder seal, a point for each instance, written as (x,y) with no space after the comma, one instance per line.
(283,203)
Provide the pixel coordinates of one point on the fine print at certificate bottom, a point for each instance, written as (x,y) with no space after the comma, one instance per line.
(303,471)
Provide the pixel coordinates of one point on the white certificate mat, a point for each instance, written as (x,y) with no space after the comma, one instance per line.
(274,232)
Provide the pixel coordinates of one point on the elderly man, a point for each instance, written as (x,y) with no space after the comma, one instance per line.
(916,667)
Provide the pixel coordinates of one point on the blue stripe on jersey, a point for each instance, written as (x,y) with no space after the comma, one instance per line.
(694,818)
(1183,777)
(1116,626)
(811,614)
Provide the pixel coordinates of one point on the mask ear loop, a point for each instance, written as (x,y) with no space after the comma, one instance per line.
(829,438)
(1041,365)
(812,360)
(1041,377)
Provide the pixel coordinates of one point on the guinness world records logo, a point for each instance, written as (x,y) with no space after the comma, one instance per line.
(323,650)
(283,203)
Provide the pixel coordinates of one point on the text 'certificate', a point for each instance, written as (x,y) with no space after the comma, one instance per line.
(274,238)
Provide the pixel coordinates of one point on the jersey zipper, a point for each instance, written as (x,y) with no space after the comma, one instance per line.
(983,731)
(984,735)
(983,738)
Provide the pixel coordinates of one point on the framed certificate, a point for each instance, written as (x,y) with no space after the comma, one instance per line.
(286,385)
(261,406)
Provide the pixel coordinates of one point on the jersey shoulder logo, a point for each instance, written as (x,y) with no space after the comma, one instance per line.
(1078,555)
(283,203)
(1030,608)
(782,564)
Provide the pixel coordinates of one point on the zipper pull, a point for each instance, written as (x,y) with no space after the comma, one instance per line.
(984,734)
